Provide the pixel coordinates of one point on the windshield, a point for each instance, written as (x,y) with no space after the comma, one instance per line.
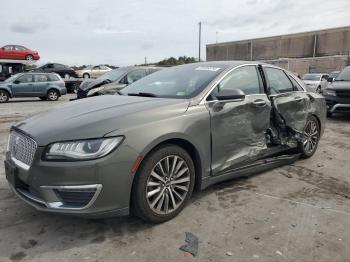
(344,75)
(312,77)
(10,79)
(114,75)
(183,81)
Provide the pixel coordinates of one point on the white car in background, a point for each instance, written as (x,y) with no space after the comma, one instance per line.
(93,71)
(315,82)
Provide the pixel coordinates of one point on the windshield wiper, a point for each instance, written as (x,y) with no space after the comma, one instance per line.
(142,94)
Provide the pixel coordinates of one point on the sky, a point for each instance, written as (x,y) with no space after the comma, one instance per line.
(123,33)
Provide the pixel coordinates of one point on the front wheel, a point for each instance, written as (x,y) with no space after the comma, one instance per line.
(311,138)
(163,184)
(29,58)
(52,95)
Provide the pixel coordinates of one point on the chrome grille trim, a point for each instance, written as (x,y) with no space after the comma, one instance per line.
(22,149)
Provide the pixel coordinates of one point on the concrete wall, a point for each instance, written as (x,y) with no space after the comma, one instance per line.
(327,42)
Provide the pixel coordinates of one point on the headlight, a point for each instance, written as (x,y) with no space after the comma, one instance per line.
(95,90)
(329,92)
(82,149)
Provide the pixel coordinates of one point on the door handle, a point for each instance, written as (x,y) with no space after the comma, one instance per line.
(259,102)
(298,99)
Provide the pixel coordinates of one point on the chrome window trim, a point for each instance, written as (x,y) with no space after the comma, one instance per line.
(218,80)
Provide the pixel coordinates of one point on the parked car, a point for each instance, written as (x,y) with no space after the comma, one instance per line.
(316,82)
(64,71)
(333,75)
(337,93)
(42,85)
(18,52)
(146,149)
(93,71)
(114,80)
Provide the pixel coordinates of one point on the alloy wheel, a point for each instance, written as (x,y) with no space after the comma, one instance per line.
(311,136)
(29,58)
(53,95)
(3,97)
(168,184)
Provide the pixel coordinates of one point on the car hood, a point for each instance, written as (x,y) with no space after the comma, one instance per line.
(91,83)
(98,116)
(341,85)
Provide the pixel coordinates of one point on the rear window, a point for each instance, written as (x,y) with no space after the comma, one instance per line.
(53,78)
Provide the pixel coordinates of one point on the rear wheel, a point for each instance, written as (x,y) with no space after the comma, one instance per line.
(4,96)
(29,57)
(163,185)
(311,138)
(52,95)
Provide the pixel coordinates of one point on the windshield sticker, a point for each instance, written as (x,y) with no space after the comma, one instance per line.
(208,68)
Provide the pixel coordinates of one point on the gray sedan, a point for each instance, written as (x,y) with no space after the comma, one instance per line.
(146,149)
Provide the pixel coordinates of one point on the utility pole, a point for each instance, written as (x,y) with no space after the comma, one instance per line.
(199,41)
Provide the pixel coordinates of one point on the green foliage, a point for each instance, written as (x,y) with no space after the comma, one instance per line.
(172,61)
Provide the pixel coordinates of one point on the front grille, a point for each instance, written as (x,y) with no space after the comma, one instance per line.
(22,149)
(75,198)
(343,93)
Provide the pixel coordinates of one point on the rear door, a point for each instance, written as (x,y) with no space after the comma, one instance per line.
(288,98)
(23,86)
(19,52)
(41,82)
(238,126)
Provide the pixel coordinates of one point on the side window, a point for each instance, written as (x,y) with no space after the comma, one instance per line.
(49,66)
(8,48)
(40,78)
(53,78)
(135,75)
(244,78)
(25,79)
(96,68)
(279,82)
(296,85)
(19,48)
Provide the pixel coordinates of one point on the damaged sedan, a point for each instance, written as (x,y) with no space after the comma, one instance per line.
(145,149)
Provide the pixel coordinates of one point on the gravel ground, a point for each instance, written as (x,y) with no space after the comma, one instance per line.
(299,212)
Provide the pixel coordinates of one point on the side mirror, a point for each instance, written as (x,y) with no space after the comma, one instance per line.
(330,79)
(16,82)
(230,94)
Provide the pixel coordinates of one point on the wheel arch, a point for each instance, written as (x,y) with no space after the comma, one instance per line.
(8,91)
(53,88)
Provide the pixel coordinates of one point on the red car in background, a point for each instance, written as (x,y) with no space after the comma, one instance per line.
(18,52)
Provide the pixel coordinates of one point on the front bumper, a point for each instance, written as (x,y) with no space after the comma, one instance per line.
(96,188)
(336,104)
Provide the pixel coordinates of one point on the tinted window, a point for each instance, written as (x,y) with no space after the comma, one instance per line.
(19,48)
(25,79)
(296,85)
(53,78)
(244,78)
(8,47)
(40,78)
(279,82)
(135,75)
(183,81)
(344,75)
(59,66)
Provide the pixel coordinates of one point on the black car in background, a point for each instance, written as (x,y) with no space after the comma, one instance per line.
(63,70)
(114,80)
(337,93)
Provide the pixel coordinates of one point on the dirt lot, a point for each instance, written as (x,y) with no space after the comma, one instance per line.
(299,212)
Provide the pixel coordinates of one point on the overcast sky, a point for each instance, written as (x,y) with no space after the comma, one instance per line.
(124,32)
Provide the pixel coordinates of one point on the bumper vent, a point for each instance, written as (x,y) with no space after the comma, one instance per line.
(75,198)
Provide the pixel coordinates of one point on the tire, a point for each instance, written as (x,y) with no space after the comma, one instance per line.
(43,98)
(29,58)
(86,75)
(171,186)
(312,136)
(4,96)
(52,95)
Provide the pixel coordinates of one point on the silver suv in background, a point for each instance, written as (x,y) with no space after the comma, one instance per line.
(316,82)
(46,86)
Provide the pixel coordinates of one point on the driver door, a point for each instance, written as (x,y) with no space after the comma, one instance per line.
(238,126)
(23,85)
